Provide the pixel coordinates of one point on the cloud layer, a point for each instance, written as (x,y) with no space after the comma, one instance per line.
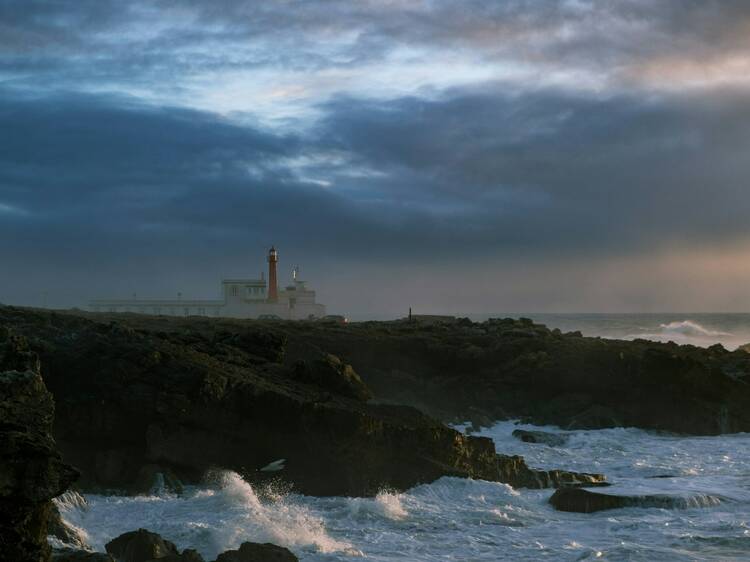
(158,148)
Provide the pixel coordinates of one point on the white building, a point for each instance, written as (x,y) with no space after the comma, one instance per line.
(241,298)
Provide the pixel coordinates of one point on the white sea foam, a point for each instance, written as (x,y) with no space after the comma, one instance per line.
(459,519)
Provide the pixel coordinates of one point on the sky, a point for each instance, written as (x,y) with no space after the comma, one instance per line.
(517,155)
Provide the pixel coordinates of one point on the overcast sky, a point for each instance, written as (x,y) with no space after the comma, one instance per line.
(536,155)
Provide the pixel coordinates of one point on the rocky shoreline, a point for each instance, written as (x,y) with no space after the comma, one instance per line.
(327,409)
(135,401)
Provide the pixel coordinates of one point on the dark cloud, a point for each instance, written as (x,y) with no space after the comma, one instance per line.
(101,193)
(479,173)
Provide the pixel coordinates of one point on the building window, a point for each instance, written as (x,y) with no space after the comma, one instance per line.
(234,290)
(187,311)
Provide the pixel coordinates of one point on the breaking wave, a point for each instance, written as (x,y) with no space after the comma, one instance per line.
(690,332)
(691,500)
(212,519)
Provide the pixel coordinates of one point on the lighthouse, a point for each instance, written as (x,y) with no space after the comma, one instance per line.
(273,288)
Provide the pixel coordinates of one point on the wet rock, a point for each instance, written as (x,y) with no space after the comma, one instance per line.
(551,439)
(330,373)
(140,546)
(66,533)
(74,555)
(580,500)
(513,470)
(32,471)
(255,552)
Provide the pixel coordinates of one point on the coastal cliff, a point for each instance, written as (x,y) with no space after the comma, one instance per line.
(32,471)
(508,368)
(146,400)
(138,405)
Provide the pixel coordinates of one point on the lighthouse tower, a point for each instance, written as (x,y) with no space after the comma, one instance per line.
(273,286)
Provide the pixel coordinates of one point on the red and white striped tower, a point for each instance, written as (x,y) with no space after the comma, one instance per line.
(273,289)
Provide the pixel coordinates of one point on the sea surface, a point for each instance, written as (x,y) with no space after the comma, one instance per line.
(473,520)
(700,329)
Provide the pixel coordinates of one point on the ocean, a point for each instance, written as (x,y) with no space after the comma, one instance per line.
(472,520)
(700,329)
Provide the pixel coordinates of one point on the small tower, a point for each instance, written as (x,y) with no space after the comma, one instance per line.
(273,289)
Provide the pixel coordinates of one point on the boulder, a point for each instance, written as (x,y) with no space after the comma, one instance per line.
(32,471)
(140,546)
(255,552)
(551,439)
(580,500)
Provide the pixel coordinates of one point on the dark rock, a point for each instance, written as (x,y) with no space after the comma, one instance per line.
(74,555)
(513,470)
(255,552)
(206,403)
(595,416)
(551,439)
(330,373)
(580,500)
(32,471)
(58,528)
(154,479)
(527,371)
(140,546)
(187,555)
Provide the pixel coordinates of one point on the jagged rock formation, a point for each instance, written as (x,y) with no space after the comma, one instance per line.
(514,470)
(178,400)
(32,471)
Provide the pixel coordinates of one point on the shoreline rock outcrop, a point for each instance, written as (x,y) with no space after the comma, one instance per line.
(505,369)
(32,471)
(580,500)
(172,401)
